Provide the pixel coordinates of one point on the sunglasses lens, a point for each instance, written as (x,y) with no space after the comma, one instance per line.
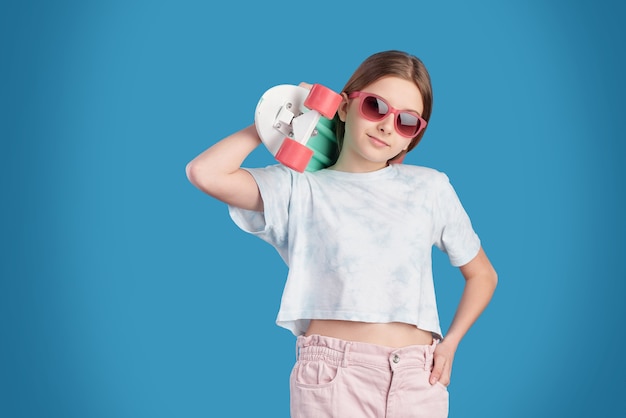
(408,124)
(373,108)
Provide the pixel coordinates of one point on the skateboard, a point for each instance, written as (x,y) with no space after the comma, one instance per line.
(296,125)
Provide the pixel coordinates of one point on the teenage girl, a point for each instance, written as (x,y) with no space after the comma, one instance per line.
(357,237)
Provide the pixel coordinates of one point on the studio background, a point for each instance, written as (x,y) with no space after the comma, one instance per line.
(126,292)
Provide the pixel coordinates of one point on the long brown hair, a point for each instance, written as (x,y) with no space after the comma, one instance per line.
(390,63)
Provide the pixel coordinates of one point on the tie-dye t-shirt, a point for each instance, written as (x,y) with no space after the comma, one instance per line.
(359,245)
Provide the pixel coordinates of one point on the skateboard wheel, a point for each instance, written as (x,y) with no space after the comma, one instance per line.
(323,100)
(294,155)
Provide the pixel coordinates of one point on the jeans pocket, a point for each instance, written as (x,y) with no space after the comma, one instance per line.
(317,373)
(441,386)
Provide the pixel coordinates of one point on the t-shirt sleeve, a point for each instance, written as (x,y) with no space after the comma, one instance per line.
(455,234)
(271,225)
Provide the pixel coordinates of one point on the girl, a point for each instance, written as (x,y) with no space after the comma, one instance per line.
(357,237)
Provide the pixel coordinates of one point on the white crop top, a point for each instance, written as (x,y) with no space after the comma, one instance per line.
(359,245)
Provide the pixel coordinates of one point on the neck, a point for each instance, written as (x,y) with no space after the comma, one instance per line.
(343,164)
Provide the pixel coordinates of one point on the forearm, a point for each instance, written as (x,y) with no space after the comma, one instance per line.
(226,156)
(480,283)
(475,298)
(217,171)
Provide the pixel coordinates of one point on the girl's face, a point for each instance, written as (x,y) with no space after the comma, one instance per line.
(368,145)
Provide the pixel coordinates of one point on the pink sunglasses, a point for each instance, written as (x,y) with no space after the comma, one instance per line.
(375,108)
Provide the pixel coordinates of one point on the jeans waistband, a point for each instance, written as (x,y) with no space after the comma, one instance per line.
(315,347)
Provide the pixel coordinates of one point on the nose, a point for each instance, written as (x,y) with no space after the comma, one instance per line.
(386,125)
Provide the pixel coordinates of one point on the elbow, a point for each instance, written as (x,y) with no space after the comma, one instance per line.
(195,175)
(204,179)
(493,279)
(191,172)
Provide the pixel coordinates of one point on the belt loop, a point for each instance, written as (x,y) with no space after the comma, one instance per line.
(346,353)
(430,354)
(299,343)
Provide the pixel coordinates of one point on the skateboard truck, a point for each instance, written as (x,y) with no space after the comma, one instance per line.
(296,126)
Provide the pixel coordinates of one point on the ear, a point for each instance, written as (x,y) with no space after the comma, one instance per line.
(342,110)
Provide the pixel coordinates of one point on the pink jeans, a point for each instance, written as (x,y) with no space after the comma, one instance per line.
(343,379)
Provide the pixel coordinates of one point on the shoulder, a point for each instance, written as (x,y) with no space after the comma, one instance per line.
(270,170)
(271,173)
(421,174)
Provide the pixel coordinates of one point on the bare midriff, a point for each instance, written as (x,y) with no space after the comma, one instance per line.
(393,334)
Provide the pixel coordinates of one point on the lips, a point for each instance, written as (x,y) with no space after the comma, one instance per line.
(378,142)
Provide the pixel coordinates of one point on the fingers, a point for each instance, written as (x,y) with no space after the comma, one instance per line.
(442,369)
(442,363)
(438,369)
(306,85)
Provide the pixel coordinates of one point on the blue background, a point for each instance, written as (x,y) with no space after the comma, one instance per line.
(126,292)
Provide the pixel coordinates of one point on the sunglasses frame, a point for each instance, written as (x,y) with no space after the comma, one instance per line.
(361,95)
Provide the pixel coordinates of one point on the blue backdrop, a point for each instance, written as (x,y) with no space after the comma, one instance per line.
(126,292)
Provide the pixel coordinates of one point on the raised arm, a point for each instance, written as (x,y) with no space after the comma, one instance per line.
(217,171)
